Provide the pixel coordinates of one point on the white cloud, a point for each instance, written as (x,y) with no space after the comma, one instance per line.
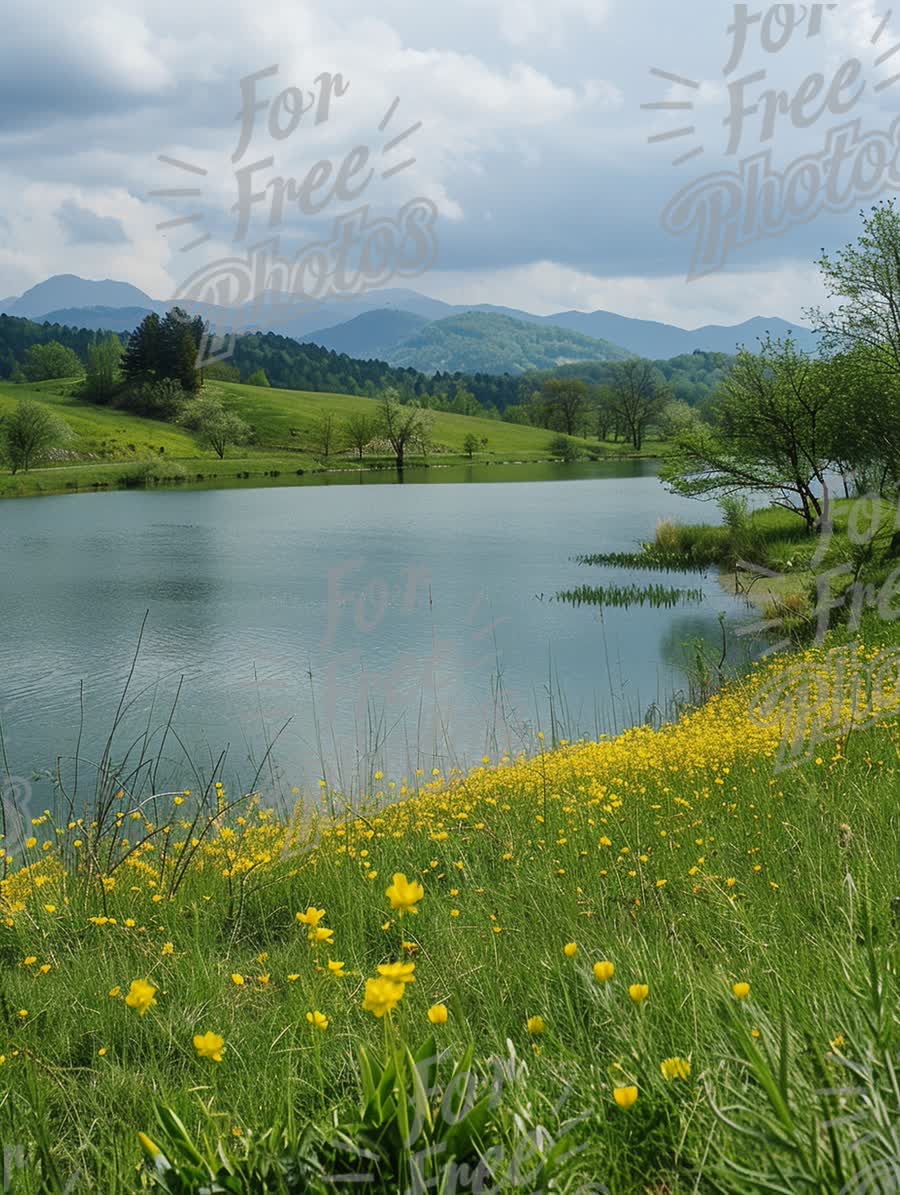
(525,21)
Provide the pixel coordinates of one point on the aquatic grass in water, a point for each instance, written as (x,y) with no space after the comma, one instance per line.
(648,558)
(660,597)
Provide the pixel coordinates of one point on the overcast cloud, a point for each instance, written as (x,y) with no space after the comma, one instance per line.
(533,142)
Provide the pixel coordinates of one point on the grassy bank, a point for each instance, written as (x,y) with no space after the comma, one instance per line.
(114,450)
(592,908)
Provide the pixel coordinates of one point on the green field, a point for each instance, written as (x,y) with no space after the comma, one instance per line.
(105,439)
(661,963)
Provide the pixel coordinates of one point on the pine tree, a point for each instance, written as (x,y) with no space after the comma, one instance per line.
(142,356)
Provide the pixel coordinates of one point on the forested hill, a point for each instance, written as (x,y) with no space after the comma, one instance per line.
(291,365)
(480,342)
(287,363)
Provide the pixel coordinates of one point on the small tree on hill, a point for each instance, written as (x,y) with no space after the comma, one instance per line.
(214,426)
(401,423)
(359,432)
(324,435)
(470,445)
(51,360)
(29,433)
(637,392)
(103,369)
(564,448)
(566,403)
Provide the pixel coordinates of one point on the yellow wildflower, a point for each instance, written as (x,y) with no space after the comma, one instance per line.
(140,995)
(209,1045)
(404,894)
(625,1097)
(382,996)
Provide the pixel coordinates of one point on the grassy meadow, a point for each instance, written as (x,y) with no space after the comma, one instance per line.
(661,963)
(113,449)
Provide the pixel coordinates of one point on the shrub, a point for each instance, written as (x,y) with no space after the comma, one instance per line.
(564,448)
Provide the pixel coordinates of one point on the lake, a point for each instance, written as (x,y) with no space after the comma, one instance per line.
(382,626)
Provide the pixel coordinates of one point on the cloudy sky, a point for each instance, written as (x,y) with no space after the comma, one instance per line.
(553,183)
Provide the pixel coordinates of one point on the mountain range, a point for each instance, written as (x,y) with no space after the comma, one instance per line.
(404,327)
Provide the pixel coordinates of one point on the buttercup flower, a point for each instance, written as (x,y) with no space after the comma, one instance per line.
(311,917)
(209,1045)
(398,972)
(535,1026)
(639,992)
(675,1068)
(741,990)
(404,894)
(438,1014)
(335,968)
(140,995)
(625,1097)
(604,971)
(382,996)
(318,1020)
(570,949)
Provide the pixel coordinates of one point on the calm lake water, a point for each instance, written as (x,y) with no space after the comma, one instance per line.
(390,626)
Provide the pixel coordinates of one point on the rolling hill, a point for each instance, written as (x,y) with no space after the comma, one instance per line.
(373,334)
(110,448)
(477,342)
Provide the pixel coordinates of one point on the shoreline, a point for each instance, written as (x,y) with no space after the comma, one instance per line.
(270,471)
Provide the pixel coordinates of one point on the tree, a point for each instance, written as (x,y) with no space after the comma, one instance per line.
(167,348)
(564,448)
(465,403)
(636,390)
(773,432)
(214,425)
(161,398)
(142,353)
(401,423)
(566,402)
(324,435)
(605,412)
(29,433)
(359,432)
(424,433)
(470,445)
(674,417)
(102,376)
(258,378)
(179,346)
(863,333)
(221,371)
(51,360)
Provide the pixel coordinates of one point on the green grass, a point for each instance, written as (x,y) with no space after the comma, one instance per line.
(104,439)
(682,856)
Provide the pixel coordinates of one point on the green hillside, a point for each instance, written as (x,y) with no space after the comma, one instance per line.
(479,342)
(112,449)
